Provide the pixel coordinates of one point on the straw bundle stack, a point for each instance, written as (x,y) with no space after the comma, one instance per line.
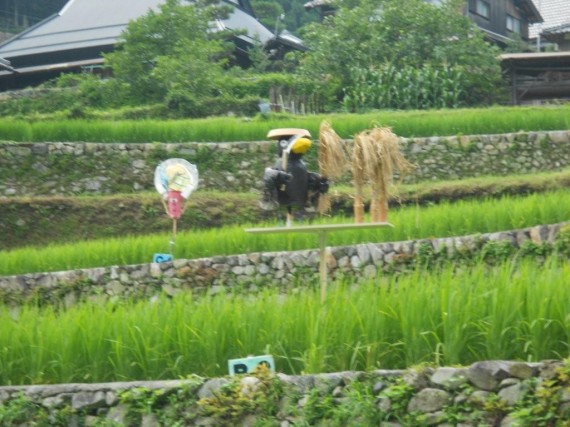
(332,160)
(376,154)
(359,175)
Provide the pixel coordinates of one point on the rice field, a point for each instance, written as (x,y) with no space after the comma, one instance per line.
(403,123)
(414,222)
(446,317)
(516,310)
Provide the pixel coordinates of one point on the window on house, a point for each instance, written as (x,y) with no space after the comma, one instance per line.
(483,8)
(513,24)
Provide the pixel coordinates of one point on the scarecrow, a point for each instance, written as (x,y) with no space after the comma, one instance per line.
(288,184)
(175,180)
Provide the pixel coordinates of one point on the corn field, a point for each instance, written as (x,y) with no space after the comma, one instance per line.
(389,87)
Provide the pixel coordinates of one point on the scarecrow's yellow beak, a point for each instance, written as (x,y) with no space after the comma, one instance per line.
(301,146)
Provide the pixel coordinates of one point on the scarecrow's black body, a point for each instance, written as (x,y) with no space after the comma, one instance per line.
(295,189)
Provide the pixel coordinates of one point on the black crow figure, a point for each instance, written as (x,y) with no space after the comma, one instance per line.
(288,184)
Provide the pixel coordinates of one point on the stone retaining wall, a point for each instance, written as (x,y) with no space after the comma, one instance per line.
(37,169)
(488,393)
(253,271)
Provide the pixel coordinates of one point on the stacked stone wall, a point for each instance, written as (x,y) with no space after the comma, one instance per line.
(56,168)
(487,393)
(253,271)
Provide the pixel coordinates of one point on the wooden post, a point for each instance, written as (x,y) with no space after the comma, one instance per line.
(323,264)
(322,231)
(358,209)
(173,241)
(382,210)
(514,96)
(289,218)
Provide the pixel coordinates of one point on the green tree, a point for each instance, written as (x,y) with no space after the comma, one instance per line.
(404,33)
(283,14)
(268,12)
(171,55)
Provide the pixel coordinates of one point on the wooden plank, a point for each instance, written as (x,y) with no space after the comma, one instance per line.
(318,228)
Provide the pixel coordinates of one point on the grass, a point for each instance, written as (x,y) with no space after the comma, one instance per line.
(413,222)
(404,123)
(511,312)
(57,220)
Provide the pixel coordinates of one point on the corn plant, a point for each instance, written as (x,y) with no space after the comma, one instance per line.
(407,88)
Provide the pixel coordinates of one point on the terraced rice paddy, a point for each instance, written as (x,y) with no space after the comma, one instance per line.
(441,220)
(511,311)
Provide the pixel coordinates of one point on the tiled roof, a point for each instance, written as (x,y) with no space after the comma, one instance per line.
(90,23)
(559,29)
(556,13)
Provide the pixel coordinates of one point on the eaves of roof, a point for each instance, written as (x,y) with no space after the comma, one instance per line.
(6,65)
(533,15)
(559,29)
(536,56)
(63,66)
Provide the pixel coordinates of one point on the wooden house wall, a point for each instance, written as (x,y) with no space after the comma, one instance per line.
(497,22)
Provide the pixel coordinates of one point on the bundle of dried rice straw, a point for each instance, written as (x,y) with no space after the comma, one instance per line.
(376,154)
(332,160)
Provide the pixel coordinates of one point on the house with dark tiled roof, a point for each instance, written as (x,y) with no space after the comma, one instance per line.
(79,35)
(554,32)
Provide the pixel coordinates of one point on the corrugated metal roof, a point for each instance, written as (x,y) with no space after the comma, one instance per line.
(554,12)
(89,23)
(559,29)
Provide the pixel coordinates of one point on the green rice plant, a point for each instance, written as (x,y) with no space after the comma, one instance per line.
(16,131)
(447,316)
(415,222)
(228,129)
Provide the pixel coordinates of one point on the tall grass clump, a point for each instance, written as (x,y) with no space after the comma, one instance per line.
(415,222)
(441,317)
(231,129)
